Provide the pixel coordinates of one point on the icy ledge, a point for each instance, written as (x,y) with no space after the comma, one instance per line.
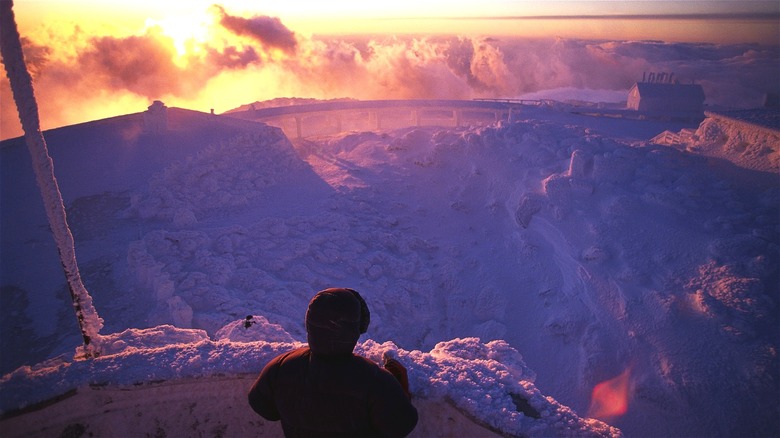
(488,383)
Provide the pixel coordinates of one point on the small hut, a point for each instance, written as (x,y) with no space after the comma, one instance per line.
(659,94)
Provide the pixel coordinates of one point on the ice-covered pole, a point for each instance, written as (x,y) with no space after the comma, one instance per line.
(21,86)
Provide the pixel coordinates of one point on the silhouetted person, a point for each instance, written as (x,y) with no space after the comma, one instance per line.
(327,390)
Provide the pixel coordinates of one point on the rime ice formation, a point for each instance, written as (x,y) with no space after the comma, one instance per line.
(752,140)
(24,97)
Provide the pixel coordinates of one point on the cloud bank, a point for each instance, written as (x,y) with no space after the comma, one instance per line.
(85,77)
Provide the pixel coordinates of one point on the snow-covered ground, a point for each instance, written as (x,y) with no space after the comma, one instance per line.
(574,251)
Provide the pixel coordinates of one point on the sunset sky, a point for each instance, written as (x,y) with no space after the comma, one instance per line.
(92,59)
(502,17)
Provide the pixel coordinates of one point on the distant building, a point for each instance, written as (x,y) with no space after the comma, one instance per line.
(659,93)
(156,118)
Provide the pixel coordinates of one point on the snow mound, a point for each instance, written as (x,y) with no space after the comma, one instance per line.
(747,144)
(256,328)
(150,338)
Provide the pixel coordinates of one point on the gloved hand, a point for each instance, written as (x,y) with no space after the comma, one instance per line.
(399,372)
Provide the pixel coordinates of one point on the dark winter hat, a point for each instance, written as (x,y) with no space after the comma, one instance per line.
(335,320)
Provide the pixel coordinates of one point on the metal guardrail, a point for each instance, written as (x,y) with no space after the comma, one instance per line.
(414,112)
(371,104)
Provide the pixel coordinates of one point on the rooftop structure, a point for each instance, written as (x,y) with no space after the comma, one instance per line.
(156,118)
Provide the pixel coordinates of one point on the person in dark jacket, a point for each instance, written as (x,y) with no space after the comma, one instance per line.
(327,390)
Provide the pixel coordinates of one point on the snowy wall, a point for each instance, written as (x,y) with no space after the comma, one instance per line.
(481,381)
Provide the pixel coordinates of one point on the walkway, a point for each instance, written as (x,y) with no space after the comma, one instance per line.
(327,118)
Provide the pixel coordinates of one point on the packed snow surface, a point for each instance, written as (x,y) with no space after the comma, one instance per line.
(542,256)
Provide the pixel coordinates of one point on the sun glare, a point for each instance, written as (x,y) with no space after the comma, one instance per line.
(187,32)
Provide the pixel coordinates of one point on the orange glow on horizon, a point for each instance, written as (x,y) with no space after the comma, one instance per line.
(669,30)
(93,59)
(610,398)
(182,21)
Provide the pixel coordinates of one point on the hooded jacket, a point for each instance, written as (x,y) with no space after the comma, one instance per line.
(326,390)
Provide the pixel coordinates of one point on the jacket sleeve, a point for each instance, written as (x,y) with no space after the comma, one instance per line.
(392,413)
(261,395)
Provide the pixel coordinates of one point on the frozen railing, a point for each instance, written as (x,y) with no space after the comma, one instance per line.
(666,137)
(300,121)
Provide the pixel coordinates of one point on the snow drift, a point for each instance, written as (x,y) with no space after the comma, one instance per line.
(750,138)
(552,236)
